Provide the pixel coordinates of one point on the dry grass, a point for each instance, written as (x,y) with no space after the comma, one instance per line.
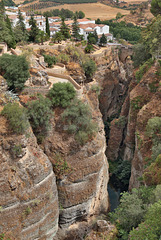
(92,10)
(18,1)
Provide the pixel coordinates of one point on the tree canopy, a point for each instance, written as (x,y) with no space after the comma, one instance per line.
(15,71)
(155,7)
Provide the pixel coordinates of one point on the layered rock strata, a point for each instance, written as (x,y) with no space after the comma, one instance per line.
(28,193)
(82,187)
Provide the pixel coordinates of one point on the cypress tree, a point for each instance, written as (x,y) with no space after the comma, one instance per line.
(64,29)
(34,29)
(47,27)
(75,28)
(103,39)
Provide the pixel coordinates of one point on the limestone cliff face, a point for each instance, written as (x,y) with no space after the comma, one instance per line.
(144,104)
(83,176)
(114,78)
(28,193)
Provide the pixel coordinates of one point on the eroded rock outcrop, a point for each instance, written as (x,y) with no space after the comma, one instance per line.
(144,104)
(114,78)
(83,176)
(28,193)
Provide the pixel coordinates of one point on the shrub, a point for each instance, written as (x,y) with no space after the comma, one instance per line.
(143,69)
(60,165)
(15,71)
(39,113)
(89,48)
(63,58)
(136,103)
(61,94)
(50,60)
(129,213)
(16,150)
(151,228)
(153,127)
(152,174)
(121,121)
(96,88)
(16,116)
(78,120)
(89,67)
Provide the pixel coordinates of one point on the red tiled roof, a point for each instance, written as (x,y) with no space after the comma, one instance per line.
(12,16)
(54,17)
(83,20)
(88,25)
(54,29)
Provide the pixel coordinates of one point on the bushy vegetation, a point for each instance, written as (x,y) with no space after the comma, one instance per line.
(63,13)
(63,58)
(153,130)
(143,69)
(140,54)
(50,60)
(120,172)
(6,33)
(134,209)
(39,114)
(89,67)
(15,71)
(151,227)
(16,117)
(71,1)
(78,121)
(89,48)
(61,94)
(128,32)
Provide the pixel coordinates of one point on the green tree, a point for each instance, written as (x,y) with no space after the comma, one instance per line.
(155,7)
(130,211)
(2,8)
(9,26)
(89,67)
(6,35)
(21,22)
(39,114)
(64,29)
(34,30)
(47,27)
(152,37)
(61,94)
(50,60)
(89,48)
(95,35)
(15,71)
(118,15)
(91,39)
(78,121)
(42,36)
(103,39)
(75,28)
(81,15)
(140,54)
(16,116)
(20,31)
(58,37)
(151,228)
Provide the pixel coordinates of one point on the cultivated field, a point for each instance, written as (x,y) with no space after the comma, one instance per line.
(92,10)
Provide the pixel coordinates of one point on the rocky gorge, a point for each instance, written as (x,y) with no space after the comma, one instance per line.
(41,199)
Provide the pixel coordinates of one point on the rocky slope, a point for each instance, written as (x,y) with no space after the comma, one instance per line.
(82,173)
(28,192)
(127,105)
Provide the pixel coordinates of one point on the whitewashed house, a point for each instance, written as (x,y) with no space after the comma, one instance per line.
(85,29)
(53,19)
